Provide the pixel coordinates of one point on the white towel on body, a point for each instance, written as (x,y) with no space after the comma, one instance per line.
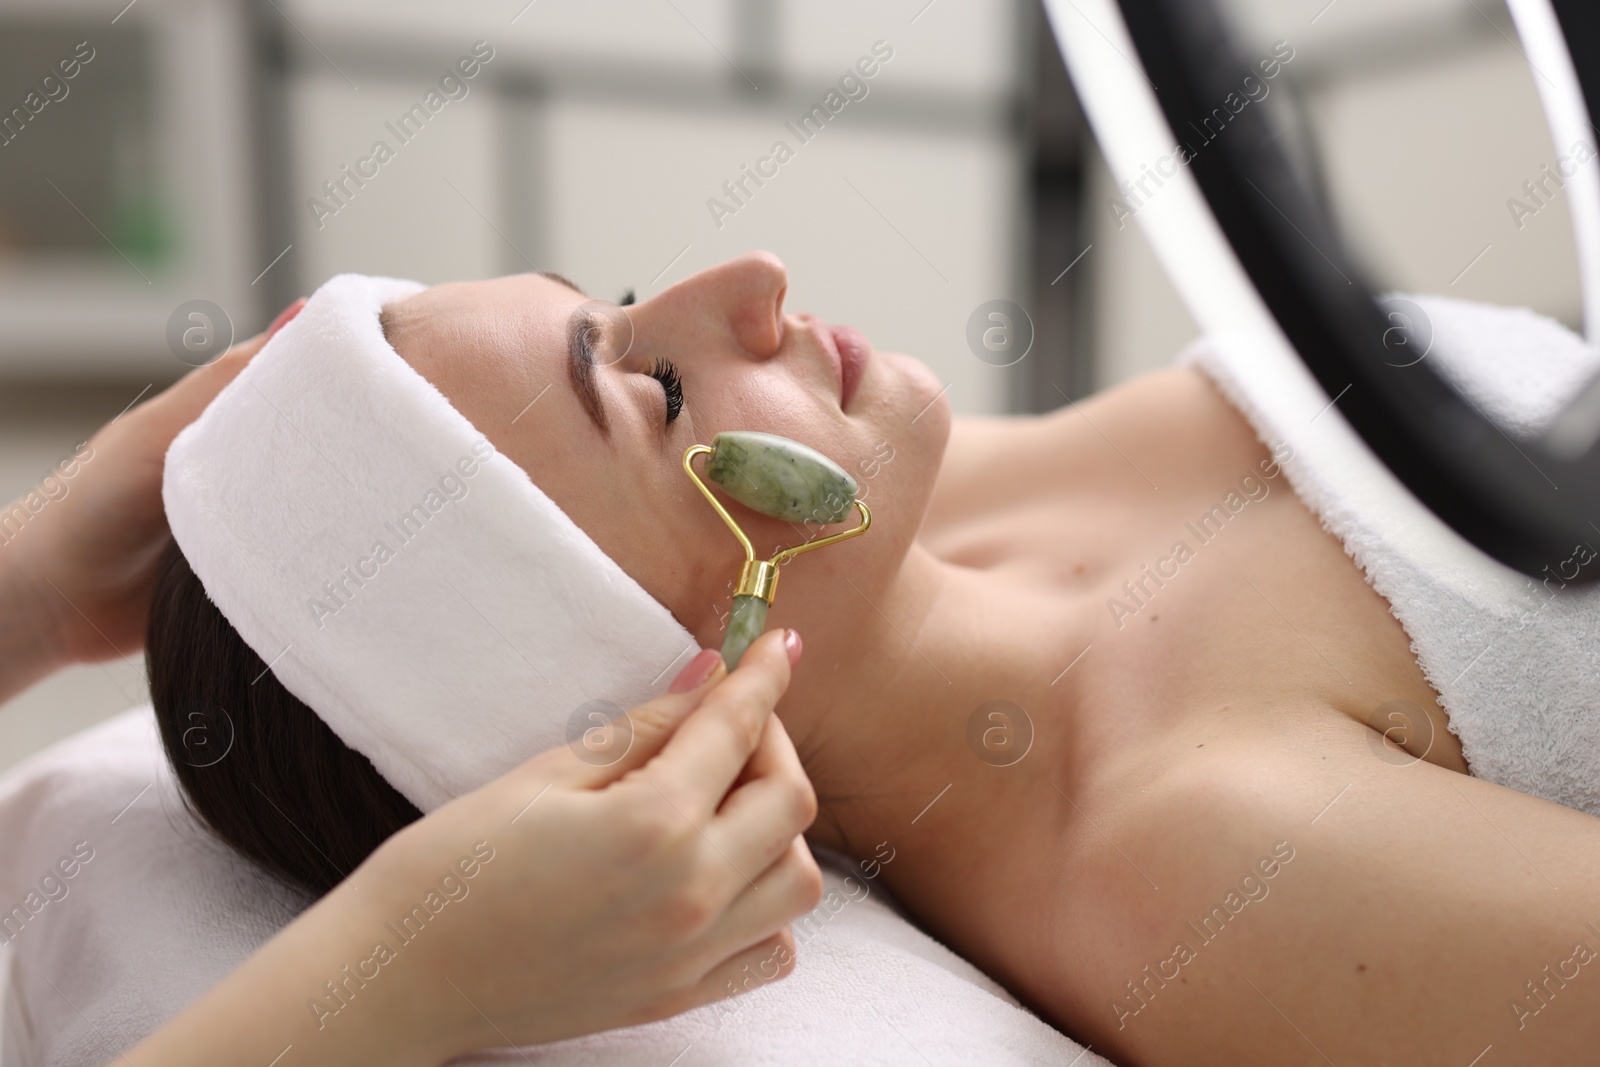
(1516,662)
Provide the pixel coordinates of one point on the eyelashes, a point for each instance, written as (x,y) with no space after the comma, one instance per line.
(663,371)
(666,373)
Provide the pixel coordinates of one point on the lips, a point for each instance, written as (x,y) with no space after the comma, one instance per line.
(854,351)
(847,351)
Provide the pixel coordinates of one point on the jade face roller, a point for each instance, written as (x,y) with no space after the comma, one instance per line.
(786,480)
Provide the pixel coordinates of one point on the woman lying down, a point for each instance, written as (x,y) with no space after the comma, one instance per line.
(1167,826)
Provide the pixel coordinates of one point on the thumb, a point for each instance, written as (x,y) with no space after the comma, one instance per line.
(604,747)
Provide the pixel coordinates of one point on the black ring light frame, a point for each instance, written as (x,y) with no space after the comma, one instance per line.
(1518,501)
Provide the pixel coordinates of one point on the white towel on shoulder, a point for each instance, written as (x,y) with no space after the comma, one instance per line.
(1516,662)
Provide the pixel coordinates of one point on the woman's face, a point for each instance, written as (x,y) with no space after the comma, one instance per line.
(590,422)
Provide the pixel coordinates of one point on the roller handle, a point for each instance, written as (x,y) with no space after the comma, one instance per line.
(745,623)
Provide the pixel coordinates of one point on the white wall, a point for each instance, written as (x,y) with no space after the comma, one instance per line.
(1138,323)
(899,233)
(900,218)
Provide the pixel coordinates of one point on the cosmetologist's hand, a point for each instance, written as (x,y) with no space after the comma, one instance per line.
(572,898)
(80,566)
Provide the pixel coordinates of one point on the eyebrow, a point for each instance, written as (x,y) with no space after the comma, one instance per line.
(580,369)
(580,356)
(561,279)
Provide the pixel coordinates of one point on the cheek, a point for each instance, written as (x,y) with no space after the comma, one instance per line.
(770,402)
(891,442)
(649,518)
(605,498)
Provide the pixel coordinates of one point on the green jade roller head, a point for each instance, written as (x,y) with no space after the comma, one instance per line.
(786,480)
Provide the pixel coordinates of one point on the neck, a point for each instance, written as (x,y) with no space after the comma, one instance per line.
(881,720)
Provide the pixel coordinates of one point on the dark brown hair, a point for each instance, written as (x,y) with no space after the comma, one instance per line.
(255,763)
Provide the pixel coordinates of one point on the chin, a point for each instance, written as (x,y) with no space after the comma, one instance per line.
(908,416)
(918,394)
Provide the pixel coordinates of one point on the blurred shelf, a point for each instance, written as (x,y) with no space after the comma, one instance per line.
(130,191)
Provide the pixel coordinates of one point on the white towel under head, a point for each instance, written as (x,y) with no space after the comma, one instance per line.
(409,583)
(164,910)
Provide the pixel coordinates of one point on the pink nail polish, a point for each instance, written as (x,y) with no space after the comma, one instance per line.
(285,316)
(696,671)
(793,646)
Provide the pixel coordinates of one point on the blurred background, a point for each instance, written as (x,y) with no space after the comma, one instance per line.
(224,150)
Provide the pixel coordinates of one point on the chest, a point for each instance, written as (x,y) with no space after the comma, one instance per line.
(1202,591)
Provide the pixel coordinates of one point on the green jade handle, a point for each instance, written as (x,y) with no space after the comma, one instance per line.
(746,623)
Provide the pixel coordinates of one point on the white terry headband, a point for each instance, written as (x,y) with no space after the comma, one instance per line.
(405,580)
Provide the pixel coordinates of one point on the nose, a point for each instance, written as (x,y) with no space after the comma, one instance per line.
(746,294)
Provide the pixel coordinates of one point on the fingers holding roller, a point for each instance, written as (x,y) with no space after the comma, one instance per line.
(754,944)
(637,735)
(751,944)
(772,959)
(703,759)
(753,851)
(782,893)
(772,805)
(669,876)
(759,965)
(652,729)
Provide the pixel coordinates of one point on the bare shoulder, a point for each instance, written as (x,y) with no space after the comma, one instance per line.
(1163,423)
(1298,894)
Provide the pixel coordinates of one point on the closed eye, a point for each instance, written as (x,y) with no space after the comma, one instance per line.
(663,371)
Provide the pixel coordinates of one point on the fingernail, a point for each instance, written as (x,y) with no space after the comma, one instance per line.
(285,316)
(793,646)
(696,671)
